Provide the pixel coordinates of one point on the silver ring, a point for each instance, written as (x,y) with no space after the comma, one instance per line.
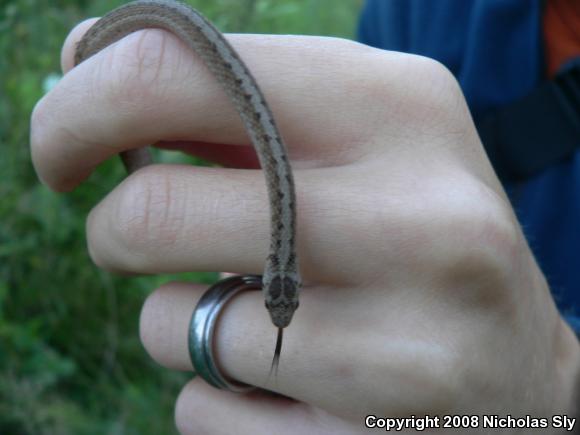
(202,326)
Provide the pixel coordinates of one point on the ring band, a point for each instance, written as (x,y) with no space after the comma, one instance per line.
(202,326)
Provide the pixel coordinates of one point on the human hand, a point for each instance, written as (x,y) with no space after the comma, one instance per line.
(422,296)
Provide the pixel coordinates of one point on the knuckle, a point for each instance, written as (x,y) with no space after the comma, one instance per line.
(437,87)
(151,211)
(144,222)
(133,70)
(456,228)
(484,247)
(45,131)
(423,93)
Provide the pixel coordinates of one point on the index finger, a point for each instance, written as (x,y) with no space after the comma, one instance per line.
(125,85)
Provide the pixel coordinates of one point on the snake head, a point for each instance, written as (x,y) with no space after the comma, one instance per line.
(281,295)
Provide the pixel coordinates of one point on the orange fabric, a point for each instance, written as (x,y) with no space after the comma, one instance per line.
(561,33)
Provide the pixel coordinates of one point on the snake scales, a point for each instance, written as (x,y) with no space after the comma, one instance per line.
(281,279)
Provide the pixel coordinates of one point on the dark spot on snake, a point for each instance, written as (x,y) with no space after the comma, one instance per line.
(275,288)
(274,260)
(272,162)
(266,137)
(228,65)
(289,288)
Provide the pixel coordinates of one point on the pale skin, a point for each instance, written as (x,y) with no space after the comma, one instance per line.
(421,295)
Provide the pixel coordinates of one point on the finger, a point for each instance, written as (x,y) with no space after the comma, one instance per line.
(313,368)
(244,337)
(155,222)
(164,323)
(150,87)
(176,218)
(202,409)
(164,327)
(345,351)
(223,154)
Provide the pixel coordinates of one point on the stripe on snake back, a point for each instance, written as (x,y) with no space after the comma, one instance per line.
(222,60)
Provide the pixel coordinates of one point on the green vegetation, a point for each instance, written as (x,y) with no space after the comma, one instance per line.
(70,358)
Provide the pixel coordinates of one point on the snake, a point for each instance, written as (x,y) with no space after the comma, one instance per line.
(281,281)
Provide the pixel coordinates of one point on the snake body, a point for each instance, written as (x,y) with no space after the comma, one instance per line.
(281,279)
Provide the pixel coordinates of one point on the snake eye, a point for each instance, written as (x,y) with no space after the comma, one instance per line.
(289,288)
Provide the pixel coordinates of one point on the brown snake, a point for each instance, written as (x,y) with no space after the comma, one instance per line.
(281,279)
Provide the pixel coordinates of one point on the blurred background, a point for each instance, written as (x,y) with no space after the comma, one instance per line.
(70,357)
